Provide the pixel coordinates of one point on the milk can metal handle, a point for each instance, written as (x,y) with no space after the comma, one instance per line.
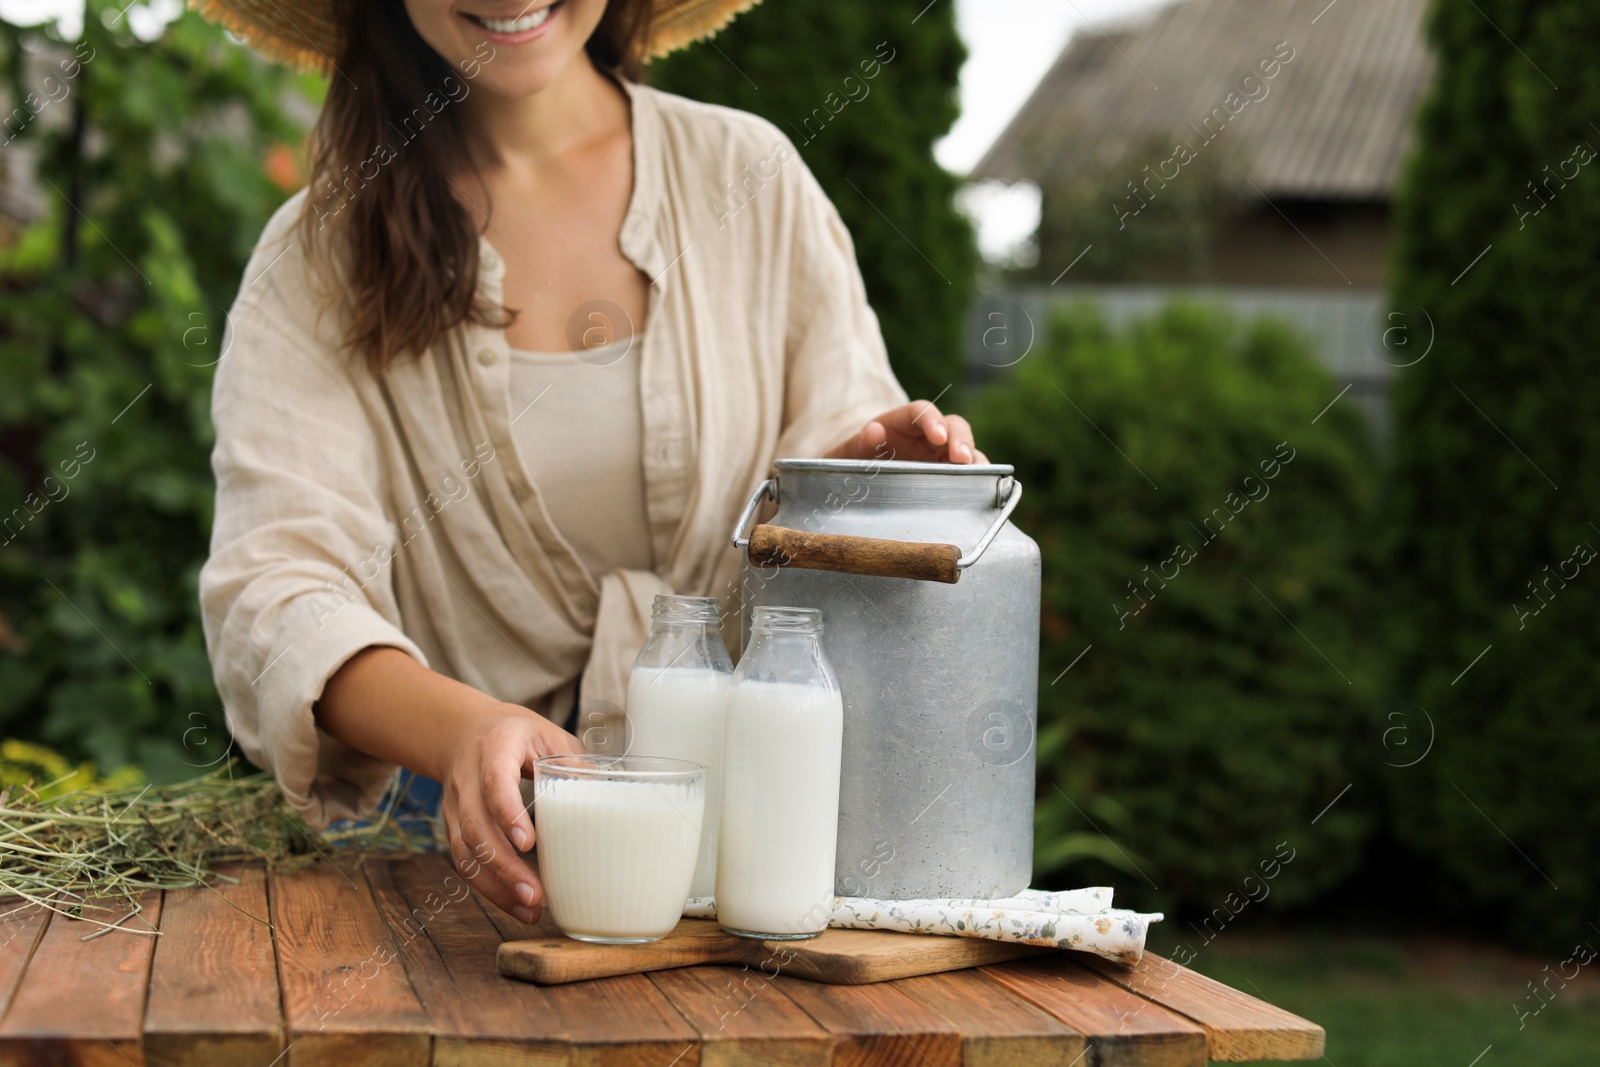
(768,488)
(871,556)
(1013,496)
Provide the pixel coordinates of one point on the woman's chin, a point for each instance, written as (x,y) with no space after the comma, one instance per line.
(527,78)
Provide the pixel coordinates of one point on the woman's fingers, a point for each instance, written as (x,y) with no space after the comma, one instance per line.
(552,740)
(920,418)
(484,856)
(502,790)
(926,434)
(917,431)
(863,445)
(961,448)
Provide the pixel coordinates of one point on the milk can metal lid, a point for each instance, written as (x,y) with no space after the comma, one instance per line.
(890,466)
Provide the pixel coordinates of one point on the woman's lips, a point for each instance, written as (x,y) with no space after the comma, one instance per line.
(516,30)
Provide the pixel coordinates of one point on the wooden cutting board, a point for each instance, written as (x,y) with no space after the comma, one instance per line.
(838,957)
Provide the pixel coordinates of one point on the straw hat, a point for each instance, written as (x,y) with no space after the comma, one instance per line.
(305,33)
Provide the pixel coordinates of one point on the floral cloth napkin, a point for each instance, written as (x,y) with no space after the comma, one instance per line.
(1080,919)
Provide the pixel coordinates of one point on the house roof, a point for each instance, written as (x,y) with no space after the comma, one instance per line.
(1335,122)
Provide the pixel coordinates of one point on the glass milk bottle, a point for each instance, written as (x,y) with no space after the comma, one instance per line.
(780,781)
(675,700)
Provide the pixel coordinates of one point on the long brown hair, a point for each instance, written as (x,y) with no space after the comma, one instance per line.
(380,215)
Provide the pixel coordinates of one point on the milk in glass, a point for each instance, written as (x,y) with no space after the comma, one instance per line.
(780,785)
(618,837)
(676,695)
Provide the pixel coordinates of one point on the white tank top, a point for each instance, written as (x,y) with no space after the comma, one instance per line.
(578,426)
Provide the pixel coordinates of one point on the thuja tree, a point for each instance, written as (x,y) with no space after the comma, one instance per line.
(1497,468)
(864,91)
(139,173)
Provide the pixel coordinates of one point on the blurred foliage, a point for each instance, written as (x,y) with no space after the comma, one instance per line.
(1407,1001)
(138,176)
(1506,808)
(1143,228)
(869,141)
(41,773)
(1218,703)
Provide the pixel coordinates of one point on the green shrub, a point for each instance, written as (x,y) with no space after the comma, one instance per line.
(869,141)
(1497,469)
(1205,728)
(111,319)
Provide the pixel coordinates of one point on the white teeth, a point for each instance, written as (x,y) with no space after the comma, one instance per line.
(521,25)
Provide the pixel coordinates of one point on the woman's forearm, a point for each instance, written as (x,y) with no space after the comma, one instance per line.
(387,705)
(384,703)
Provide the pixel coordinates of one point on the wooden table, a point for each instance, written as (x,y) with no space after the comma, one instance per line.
(394,964)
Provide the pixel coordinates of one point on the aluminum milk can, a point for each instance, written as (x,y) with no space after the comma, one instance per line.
(931,603)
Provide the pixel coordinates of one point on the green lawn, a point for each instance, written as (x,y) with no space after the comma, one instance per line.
(1422,1003)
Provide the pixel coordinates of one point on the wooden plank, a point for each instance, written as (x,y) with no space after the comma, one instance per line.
(876,1025)
(1238,1026)
(214,980)
(742,1019)
(850,957)
(1121,1028)
(20,928)
(557,960)
(844,957)
(447,946)
(82,1002)
(611,1022)
(998,1028)
(346,999)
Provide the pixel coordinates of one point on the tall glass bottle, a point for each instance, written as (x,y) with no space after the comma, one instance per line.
(780,781)
(676,694)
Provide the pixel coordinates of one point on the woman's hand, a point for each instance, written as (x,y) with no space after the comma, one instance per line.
(386,704)
(914,431)
(483,809)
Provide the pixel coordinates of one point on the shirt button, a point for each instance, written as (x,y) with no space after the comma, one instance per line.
(521,492)
(487,357)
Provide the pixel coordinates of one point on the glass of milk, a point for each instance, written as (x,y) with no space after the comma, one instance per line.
(780,781)
(617,838)
(675,700)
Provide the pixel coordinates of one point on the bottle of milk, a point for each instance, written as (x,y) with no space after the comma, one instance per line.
(780,782)
(676,695)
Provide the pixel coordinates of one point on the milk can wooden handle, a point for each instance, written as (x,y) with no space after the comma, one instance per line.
(872,556)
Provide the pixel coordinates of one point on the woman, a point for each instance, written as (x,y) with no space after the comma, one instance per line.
(507,369)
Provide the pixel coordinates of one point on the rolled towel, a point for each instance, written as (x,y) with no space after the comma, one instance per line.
(1078,919)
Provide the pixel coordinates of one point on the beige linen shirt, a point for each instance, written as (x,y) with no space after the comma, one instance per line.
(356,510)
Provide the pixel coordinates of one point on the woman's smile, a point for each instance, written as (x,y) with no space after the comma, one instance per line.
(517,29)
